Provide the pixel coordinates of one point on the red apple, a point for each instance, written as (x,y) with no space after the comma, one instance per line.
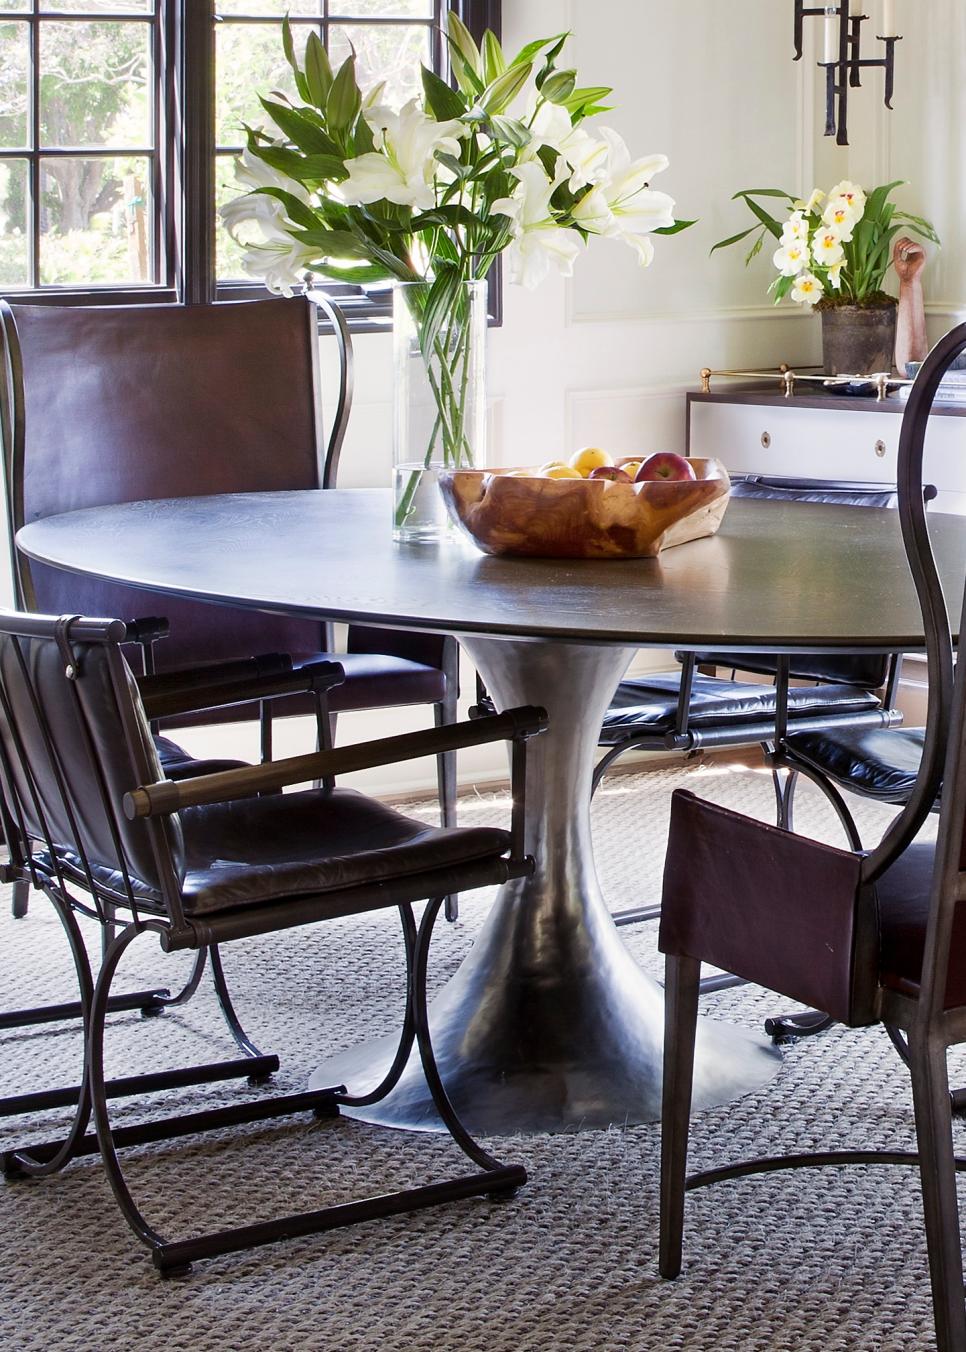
(610,472)
(665,465)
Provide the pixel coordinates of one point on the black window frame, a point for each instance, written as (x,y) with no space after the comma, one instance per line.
(185,179)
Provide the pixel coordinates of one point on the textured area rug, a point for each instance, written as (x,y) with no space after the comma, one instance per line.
(828,1260)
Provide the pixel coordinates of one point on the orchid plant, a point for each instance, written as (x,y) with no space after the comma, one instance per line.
(834,249)
(348,188)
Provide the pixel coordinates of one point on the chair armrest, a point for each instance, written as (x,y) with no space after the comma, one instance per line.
(165,797)
(185,696)
(212,673)
(776,908)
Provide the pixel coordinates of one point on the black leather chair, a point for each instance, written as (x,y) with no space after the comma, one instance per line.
(869,937)
(201,862)
(113,404)
(688,710)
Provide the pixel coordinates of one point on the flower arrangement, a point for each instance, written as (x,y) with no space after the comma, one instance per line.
(833,249)
(432,193)
(357,191)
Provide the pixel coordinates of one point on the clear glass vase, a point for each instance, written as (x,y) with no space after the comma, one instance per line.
(439,394)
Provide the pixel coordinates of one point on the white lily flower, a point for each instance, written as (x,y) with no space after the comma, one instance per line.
(807,289)
(586,154)
(539,244)
(403,169)
(279,261)
(827,247)
(593,213)
(791,258)
(255,207)
(634,205)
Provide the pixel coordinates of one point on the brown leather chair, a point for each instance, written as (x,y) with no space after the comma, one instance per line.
(108,404)
(92,822)
(865,937)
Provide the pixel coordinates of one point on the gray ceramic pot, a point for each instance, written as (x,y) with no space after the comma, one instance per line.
(858,339)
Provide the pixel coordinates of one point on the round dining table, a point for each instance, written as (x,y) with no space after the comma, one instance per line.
(548,1024)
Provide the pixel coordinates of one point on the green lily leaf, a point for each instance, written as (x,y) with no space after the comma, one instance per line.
(295,209)
(299,129)
(732,239)
(442,101)
(510,130)
(525,55)
(301,84)
(303,168)
(674,229)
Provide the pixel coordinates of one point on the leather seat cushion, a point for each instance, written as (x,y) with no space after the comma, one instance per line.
(903,897)
(372,681)
(177,764)
(880,763)
(649,704)
(849,669)
(297,844)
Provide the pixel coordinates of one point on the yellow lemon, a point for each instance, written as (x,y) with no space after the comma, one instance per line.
(591,457)
(630,468)
(550,464)
(560,472)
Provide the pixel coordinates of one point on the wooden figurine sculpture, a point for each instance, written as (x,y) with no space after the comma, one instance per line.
(908,258)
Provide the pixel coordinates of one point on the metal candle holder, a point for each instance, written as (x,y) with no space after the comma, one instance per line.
(844,73)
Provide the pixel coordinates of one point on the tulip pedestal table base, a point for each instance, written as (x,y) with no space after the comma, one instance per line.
(549,1024)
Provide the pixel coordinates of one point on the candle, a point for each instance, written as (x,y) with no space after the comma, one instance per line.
(831,37)
(889,29)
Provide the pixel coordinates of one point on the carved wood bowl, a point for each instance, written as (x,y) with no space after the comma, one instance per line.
(585,518)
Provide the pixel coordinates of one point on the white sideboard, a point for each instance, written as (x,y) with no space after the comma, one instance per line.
(824,437)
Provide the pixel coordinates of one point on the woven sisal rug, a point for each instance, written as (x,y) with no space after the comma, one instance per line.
(822,1260)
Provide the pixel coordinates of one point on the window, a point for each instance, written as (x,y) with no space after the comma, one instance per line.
(119,120)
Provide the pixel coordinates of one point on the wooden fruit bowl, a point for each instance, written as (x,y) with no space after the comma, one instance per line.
(585,518)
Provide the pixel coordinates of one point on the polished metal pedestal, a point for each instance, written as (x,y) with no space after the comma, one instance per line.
(549,1024)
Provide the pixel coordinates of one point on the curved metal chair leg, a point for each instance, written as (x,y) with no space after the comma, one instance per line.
(21,1163)
(509,1177)
(407,1035)
(242,1039)
(834,798)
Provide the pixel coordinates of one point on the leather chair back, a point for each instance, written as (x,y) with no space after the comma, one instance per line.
(121,403)
(71,746)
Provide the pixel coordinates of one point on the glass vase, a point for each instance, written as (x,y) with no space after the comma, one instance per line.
(439,400)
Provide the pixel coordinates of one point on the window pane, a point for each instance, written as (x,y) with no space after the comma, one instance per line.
(392,53)
(14,235)
(94,84)
(14,83)
(279,7)
(96,221)
(250,60)
(19,6)
(381,9)
(101,6)
(228,254)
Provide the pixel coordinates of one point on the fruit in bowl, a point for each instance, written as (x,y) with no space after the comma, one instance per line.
(589,459)
(664,465)
(557,513)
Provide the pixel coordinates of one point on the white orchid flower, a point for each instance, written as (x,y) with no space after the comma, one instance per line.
(403,168)
(835,274)
(851,193)
(256,207)
(827,247)
(586,154)
(814,202)
(539,243)
(795,228)
(790,259)
(807,289)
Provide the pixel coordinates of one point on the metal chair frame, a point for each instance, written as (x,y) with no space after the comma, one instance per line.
(64,872)
(917,1019)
